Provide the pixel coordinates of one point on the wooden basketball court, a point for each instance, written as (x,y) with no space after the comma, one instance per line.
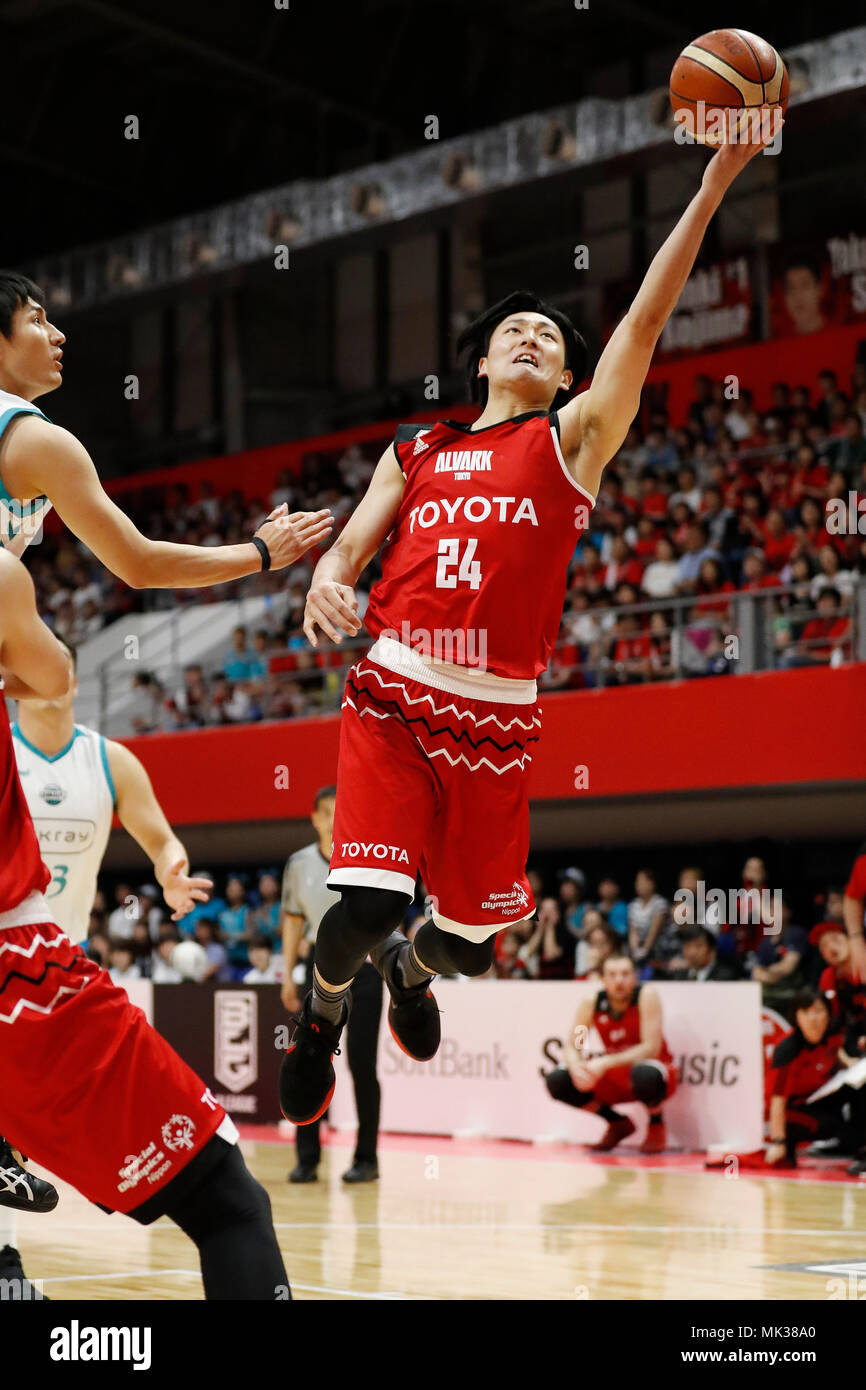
(461,1220)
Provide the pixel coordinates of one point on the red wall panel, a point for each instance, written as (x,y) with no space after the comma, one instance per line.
(771,729)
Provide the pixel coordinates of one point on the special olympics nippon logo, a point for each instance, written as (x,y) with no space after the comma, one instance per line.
(177,1133)
(522,895)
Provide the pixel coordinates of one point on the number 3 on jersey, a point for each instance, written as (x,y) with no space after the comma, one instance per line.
(449,557)
(59,875)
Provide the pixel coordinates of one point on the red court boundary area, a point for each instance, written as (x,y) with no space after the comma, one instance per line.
(444,1146)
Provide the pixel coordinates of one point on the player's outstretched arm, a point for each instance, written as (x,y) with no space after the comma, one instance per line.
(852,911)
(331,602)
(595,423)
(43,458)
(32,662)
(140,813)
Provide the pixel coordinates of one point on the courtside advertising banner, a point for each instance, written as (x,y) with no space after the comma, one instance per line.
(500,1037)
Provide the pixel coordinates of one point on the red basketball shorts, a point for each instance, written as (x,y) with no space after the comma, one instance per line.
(614,1086)
(87,1088)
(433,779)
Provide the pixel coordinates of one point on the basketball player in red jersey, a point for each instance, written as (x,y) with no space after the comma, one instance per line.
(89,1089)
(441,717)
(852,908)
(636,1064)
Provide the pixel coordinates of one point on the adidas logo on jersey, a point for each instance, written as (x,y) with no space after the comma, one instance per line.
(462,462)
(420,444)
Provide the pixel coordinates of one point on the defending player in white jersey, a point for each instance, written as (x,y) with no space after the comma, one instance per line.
(74,780)
(42,464)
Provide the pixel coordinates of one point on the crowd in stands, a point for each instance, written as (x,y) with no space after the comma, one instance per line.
(732,501)
(689,935)
(238,929)
(684,935)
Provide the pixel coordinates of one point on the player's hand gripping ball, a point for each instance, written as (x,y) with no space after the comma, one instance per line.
(721,80)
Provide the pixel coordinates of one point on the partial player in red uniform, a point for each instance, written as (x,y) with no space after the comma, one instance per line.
(87,1088)
(852,910)
(802,1063)
(840,985)
(636,1064)
(441,717)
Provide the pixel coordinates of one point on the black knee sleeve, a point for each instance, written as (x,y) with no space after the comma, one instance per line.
(561,1087)
(448,954)
(228,1217)
(648,1082)
(352,927)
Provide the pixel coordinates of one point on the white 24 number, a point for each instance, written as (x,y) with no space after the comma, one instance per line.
(468,570)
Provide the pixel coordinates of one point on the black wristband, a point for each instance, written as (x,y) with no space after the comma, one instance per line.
(263,551)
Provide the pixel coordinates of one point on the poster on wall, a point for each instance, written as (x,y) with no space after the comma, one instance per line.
(716,309)
(817,284)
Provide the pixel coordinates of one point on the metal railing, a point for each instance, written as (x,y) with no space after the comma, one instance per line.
(678,638)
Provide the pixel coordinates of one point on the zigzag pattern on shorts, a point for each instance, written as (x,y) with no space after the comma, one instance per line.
(360,697)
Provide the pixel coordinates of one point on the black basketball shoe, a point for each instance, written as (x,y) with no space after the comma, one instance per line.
(21,1190)
(413,1014)
(14,1284)
(307,1077)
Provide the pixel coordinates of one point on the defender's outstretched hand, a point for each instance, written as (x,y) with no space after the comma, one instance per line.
(182,892)
(289,536)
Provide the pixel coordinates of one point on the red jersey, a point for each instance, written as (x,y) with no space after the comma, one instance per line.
(620,1031)
(819,633)
(476,566)
(847,998)
(799,1067)
(856,885)
(21,869)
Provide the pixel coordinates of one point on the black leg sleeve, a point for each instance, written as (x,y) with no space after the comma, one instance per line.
(228,1217)
(352,927)
(362,1043)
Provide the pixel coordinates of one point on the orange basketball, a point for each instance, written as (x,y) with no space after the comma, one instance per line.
(730,71)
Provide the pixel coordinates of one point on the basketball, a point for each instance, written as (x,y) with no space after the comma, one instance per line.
(190,960)
(729,71)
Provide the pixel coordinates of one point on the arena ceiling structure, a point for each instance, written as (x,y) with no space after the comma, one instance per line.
(238,96)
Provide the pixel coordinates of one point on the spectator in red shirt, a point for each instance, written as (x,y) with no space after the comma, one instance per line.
(755,572)
(622,567)
(654,495)
(587,574)
(646,539)
(823,636)
(802,1062)
(811,475)
(711,580)
(629,651)
(779,544)
(811,530)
